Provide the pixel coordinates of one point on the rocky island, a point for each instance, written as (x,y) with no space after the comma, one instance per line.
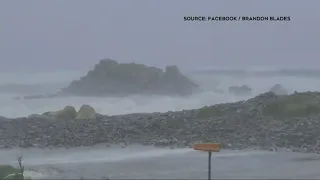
(109,78)
(265,121)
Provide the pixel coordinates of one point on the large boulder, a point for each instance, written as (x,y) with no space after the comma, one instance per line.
(68,112)
(240,90)
(278,90)
(86,112)
(109,78)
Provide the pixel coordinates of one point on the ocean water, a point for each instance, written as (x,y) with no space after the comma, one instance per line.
(19,84)
(143,162)
(140,161)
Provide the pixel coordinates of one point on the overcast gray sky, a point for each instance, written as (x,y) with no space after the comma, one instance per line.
(76,34)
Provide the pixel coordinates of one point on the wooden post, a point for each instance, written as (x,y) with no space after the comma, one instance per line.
(208,148)
(209,166)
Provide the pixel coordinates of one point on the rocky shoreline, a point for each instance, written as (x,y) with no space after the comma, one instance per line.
(239,125)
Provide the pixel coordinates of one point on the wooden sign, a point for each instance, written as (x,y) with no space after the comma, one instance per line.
(213,147)
(207,147)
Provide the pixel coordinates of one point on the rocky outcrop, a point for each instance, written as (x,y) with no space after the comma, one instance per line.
(109,78)
(265,121)
(243,90)
(86,112)
(68,112)
(278,89)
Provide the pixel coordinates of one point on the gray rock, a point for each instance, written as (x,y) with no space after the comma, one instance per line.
(237,125)
(278,89)
(86,112)
(243,90)
(68,112)
(109,78)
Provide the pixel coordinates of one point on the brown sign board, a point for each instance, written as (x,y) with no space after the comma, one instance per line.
(207,147)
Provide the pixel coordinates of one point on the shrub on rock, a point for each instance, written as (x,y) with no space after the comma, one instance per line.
(9,172)
(5,170)
(210,111)
(294,105)
(269,104)
(86,112)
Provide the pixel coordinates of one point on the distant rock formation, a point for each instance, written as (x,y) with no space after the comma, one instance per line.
(218,91)
(109,78)
(40,96)
(243,90)
(278,89)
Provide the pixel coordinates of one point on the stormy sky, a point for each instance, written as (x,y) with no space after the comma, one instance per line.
(48,35)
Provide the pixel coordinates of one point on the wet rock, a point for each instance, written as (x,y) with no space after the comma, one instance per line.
(278,89)
(243,90)
(68,112)
(86,112)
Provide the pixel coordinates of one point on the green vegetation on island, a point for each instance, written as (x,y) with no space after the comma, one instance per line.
(109,78)
(280,106)
(294,105)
